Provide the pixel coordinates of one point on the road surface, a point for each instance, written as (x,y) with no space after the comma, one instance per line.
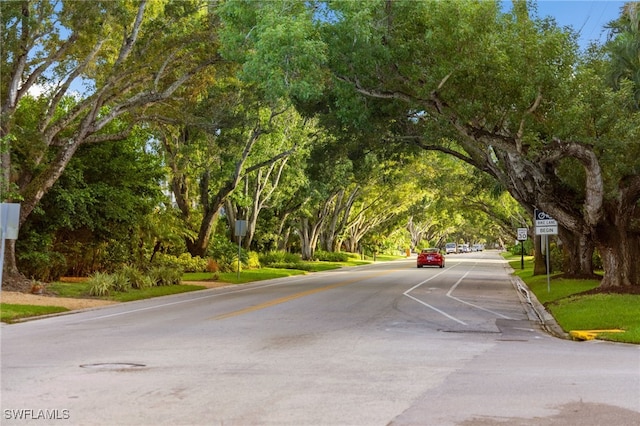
(384,344)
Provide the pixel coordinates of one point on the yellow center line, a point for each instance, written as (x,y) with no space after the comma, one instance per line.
(293,297)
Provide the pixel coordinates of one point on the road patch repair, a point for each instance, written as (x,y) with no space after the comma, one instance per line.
(590,334)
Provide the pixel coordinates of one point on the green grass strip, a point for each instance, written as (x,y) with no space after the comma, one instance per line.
(10,312)
(574,310)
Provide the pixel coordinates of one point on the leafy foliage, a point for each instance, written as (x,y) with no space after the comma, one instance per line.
(137,279)
(327,256)
(101,284)
(184,262)
(272,257)
(225,254)
(165,275)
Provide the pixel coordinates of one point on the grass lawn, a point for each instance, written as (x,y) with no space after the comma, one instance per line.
(575,311)
(245,276)
(81,290)
(10,312)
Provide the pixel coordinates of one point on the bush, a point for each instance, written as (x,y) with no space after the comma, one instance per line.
(329,256)
(100,284)
(517,249)
(184,262)
(137,278)
(121,282)
(253,260)
(37,260)
(212,265)
(597,260)
(279,257)
(163,275)
(225,254)
(190,263)
(556,261)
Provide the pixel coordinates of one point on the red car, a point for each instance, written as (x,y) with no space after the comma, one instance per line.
(430,257)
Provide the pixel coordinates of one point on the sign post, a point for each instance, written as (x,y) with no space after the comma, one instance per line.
(240,231)
(545,225)
(9,224)
(522,237)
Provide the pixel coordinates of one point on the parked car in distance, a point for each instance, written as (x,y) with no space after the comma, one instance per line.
(477,247)
(451,248)
(464,248)
(430,257)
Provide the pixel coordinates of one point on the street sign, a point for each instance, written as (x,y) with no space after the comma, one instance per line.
(545,224)
(9,220)
(522,234)
(546,230)
(9,224)
(241,228)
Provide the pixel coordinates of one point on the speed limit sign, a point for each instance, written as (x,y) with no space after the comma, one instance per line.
(522,234)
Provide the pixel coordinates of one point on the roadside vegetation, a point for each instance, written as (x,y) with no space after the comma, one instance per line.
(577,305)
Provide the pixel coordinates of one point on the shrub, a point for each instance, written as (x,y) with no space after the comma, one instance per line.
(121,282)
(163,275)
(557,257)
(253,260)
(100,284)
(212,265)
(279,257)
(190,263)
(329,256)
(137,278)
(597,260)
(184,262)
(41,263)
(225,254)
(165,260)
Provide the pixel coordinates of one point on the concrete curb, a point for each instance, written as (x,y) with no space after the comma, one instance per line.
(535,310)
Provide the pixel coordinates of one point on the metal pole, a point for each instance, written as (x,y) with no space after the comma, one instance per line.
(238,274)
(548,255)
(522,255)
(1,257)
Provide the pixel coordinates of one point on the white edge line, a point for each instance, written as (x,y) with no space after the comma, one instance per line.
(406,293)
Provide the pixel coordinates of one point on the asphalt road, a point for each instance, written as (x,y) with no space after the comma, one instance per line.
(382,344)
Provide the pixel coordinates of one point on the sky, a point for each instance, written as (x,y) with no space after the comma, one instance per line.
(586,17)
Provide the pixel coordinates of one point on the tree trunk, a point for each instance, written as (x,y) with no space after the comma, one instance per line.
(620,251)
(622,257)
(199,246)
(578,254)
(352,244)
(539,261)
(12,279)
(306,240)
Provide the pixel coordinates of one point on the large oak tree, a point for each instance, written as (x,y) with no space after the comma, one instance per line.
(506,93)
(115,57)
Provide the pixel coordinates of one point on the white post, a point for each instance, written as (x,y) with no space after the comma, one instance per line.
(238,273)
(9,224)
(548,268)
